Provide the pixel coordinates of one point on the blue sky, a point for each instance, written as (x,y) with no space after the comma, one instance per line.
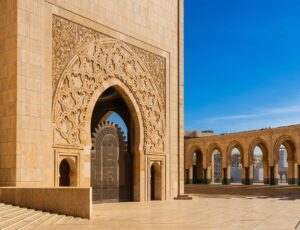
(242,64)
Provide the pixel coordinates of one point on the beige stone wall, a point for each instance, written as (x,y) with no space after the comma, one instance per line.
(152,25)
(8,91)
(67,201)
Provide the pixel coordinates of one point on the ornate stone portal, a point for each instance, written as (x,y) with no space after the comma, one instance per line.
(87,63)
(97,59)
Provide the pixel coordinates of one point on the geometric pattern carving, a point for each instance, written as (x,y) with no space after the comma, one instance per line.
(90,67)
(69,38)
(108,147)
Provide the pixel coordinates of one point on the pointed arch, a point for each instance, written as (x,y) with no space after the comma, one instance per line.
(262,144)
(289,144)
(100,65)
(211,148)
(234,144)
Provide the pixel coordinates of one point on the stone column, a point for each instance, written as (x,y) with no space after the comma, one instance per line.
(228,176)
(208,175)
(190,180)
(296,174)
(276,174)
(266,173)
(251,179)
(244,175)
(291,172)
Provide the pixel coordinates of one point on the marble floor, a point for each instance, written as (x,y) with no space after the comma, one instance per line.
(199,213)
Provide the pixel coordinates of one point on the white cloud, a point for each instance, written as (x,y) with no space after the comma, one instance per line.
(258,114)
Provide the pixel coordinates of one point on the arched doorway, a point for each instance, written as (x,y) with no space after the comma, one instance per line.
(236,166)
(216,166)
(156,183)
(112,156)
(285,161)
(282,165)
(64,173)
(258,166)
(197,167)
(67,173)
(258,171)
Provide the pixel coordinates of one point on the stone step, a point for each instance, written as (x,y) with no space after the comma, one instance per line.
(9,210)
(36,223)
(41,220)
(65,220)
(55,219)
(12,214)
(75,220)
(16,219)
(28,222)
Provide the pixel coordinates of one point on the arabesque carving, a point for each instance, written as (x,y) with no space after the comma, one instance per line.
(70,37)
(99,62)
(77,72)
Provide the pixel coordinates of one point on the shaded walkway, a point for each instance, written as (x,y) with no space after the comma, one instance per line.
(262,191)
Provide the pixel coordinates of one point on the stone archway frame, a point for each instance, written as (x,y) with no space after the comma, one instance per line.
(234,144)
(209,153)
(84,79)
(161,161)
(290,147)
(190,151)
(73,159)
(262,144)
(97,67)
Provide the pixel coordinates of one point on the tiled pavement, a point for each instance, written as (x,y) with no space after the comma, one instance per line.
(199,213)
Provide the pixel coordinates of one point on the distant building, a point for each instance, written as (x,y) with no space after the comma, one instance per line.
(198,133)
(282,165)
(258,172)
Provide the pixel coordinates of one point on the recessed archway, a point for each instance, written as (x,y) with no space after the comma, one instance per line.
(236,166)
(156,182)
(67,173)
(114,152)
(258,171)
(197,167)
(285,160)
(216,166)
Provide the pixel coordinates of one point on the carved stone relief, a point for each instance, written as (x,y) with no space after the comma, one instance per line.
(70,37)
(83,59)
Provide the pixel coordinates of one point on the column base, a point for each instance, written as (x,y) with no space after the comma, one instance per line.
(274,181)
(266,180)
(189,181)
(292,181)
(226,181)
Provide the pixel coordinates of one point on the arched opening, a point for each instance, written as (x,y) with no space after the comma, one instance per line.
(236,166)
(113,155)
(258,166)
(67,173)
(197,167)
(282,165)
(216,166)
(285,161)
(155,181)
(64,173)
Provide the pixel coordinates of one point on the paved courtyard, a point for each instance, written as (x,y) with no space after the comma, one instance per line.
(199,213)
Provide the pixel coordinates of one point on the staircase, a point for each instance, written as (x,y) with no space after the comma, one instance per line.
(16,218)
